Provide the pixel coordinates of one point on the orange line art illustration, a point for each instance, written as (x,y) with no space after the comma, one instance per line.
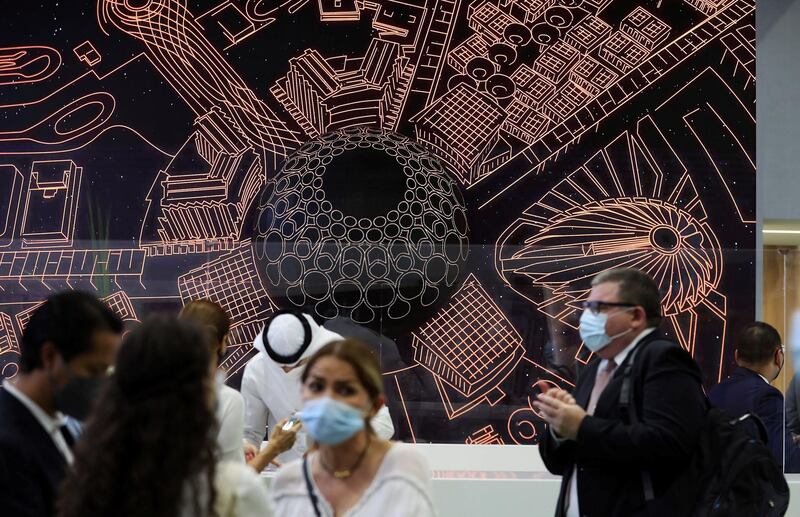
(709,6)
(462,126)
(468,346)
(619,210)
(232,281)
(740,47)
(339,156)
(324,95)
(87,53)
(200,207)
(71,265)
(370,262)
(485,436)
(83,117)
(198,71)
(339,10)
(234,23)
(9,348)
(707,118)
(405,409)
(639,67)
(11,184)
(51,206)
(119,302)
(525,424)
(32,64)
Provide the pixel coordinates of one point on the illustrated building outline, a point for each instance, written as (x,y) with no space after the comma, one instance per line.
(462,126)
(468,346)
(51,204)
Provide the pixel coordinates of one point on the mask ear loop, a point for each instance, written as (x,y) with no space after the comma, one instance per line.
(611,338)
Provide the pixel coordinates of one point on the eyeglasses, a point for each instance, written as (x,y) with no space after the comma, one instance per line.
(598,307)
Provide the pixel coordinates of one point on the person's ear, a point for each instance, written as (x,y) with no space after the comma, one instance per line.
(223,346)
(640,316)
(380,401)
(49,355)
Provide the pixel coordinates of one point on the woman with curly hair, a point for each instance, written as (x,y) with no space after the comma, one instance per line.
(149,450)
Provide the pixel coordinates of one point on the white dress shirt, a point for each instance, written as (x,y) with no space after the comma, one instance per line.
(51,425)
(574,510)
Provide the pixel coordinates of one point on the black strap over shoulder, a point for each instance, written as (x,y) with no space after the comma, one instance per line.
(627,408)
(311,494)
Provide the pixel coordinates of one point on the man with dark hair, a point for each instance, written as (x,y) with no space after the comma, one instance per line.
(67,349)
(612,462)
(759,356)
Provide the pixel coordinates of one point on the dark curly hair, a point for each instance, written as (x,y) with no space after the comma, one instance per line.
(150,445)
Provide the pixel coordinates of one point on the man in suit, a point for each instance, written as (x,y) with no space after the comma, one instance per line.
(610,466)
(759,356)
(67,349)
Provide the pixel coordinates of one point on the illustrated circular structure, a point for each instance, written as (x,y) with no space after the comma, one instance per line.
(362,224)
(679,251)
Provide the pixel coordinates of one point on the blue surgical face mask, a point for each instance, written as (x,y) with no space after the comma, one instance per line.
(593,330)
(331,422)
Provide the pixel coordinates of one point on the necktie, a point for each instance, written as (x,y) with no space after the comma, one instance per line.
(600,384)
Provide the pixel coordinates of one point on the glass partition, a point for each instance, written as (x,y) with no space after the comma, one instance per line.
(462,362)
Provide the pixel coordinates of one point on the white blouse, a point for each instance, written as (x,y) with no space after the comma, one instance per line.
(402,487)
(230,418)
(240,493)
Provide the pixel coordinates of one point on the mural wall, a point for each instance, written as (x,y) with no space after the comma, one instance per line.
(440,177)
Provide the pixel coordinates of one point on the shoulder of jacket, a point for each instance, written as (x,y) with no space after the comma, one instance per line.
(658,346)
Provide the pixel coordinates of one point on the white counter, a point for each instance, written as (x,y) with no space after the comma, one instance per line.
(507,480)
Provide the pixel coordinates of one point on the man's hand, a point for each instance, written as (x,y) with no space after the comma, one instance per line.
(560,410)
(250,451)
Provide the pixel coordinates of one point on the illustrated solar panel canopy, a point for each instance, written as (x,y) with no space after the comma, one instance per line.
(441,177)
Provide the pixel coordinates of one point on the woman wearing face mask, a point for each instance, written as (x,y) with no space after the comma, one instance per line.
(350,471)
(230,404)
(149,450)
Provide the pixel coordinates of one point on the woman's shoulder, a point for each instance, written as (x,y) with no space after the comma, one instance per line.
(228,393)
(289,477)
(240,491)
(233,474)
(406,460)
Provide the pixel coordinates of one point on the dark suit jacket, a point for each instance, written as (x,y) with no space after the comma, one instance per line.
(610,454)
(744,391)
(31,466)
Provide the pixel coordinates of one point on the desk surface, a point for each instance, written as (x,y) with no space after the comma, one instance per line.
(492,480)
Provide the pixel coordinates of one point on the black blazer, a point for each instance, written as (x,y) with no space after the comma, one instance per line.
(744,391)
(610,454)
(31,466)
